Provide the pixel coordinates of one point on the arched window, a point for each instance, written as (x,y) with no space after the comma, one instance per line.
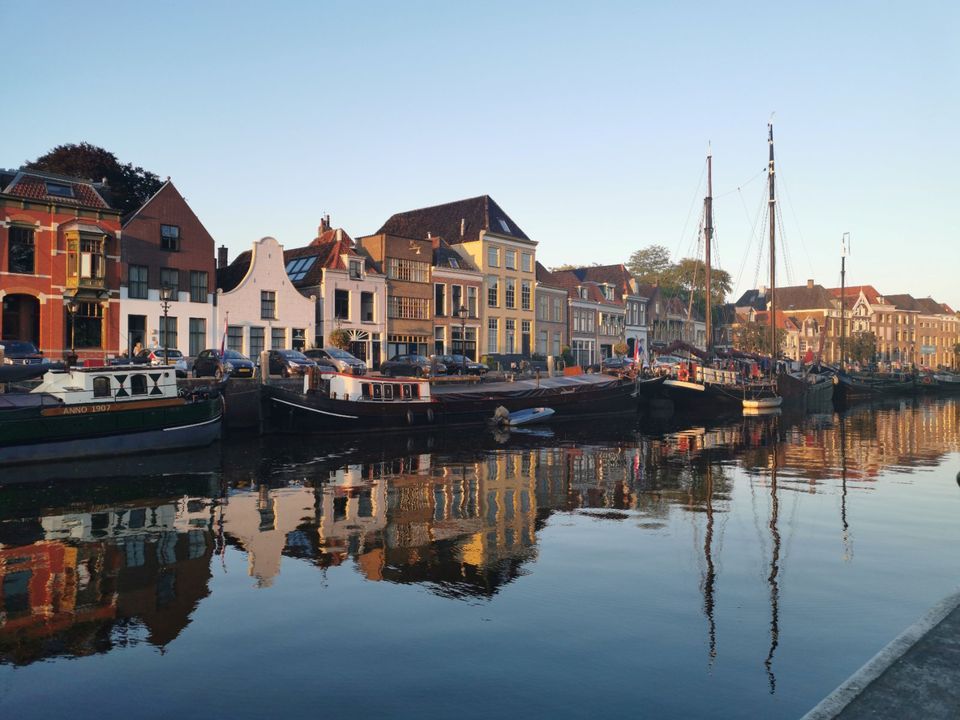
(101,386)
(138,385)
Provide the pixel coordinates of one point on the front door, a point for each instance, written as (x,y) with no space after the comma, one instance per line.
(21,318)
(136,331)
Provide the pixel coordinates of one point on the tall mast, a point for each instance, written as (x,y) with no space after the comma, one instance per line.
(843,294)
(708,236)
(773,247)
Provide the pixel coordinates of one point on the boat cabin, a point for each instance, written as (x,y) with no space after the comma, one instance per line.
(74,386)
(338,386)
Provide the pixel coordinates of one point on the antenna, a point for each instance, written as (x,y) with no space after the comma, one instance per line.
(845,245)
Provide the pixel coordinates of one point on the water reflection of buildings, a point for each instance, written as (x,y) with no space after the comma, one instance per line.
(81,582)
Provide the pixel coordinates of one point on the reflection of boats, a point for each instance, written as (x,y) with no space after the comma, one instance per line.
(332,402)
(91,412)
(528,416)
(767,402)
(808,391)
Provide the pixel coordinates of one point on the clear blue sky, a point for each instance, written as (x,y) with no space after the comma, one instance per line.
(588,122)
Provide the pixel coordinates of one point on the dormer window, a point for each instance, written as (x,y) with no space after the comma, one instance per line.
(452,262)
(356,270)
(583,293)
(59,190)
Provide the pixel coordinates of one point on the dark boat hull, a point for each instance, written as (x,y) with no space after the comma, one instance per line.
(289,411)
(705,398)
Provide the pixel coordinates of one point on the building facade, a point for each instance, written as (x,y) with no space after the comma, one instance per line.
(552,325)
(166,246)
(258,306)
(457,288)
(59,265)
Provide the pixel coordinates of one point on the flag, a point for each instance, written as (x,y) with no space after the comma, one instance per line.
(636,352)
(223,338)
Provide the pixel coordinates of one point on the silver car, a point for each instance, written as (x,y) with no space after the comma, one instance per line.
(340,359)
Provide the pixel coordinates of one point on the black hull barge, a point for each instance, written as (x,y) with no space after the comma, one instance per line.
(336,403)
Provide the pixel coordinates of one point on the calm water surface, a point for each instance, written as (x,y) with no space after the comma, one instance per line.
(738,569)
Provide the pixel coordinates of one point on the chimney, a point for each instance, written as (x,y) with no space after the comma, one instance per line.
(810,284)
(324,224)
(222,256)
(463,227)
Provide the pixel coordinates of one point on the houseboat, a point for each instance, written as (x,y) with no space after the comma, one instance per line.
(334,402)
(99,411)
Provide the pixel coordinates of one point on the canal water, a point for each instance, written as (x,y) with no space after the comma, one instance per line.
(669,568)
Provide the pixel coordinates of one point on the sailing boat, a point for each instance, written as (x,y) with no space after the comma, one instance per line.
(696,385)
(764,396)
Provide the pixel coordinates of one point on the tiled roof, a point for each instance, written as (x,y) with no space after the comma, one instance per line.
(329,248)
(903,301)
(569,280)
(230,276)
(929,306)
(34,185)
(853,292)
(616,275)
(784,322)
(804,297)
(455,222)
(443,254)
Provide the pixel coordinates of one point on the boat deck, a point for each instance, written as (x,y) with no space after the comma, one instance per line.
(519,386)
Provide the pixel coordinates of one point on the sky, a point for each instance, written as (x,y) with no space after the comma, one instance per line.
(587,122)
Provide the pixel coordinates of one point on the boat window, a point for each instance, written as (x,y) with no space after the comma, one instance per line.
(407,392)
(101,386)
(378,392)
(388,392)
(138,385)
(415,391)
(365,390)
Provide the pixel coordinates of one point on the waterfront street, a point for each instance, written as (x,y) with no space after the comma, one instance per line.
(670,568)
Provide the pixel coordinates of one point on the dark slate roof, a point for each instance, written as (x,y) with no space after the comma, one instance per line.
(230,276)
(803,297)
(545,278)
(443,254)
(929,306)
(32,184)
(446,221)
(754,299)
(329,248)
(903,301)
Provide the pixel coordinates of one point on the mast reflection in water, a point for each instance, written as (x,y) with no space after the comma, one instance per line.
(700,570)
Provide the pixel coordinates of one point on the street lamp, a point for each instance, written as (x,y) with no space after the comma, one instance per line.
(166,294)
(463,339)
(70,303)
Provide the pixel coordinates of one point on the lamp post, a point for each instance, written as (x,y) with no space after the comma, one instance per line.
(70,303)
(463,339)
(166,293)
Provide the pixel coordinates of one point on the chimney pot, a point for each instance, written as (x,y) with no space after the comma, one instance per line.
(222,256)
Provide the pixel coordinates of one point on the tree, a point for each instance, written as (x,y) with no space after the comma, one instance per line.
(689,275)
(755,337)
(339,338)
(129,186)
(863,347)
(648,264)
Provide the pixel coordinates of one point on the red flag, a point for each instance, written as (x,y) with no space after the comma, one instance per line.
(223,338)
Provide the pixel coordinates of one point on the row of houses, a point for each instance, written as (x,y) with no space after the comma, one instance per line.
(461,277)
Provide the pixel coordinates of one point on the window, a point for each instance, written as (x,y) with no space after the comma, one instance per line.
(406,308)
(408,270)
(341,304)
(504,225)
(510,259)
(439,295)
(59,190)
(137,282)
(355,270)
(542,309)
(509,333)
(101,386)
(438,338)
(86,325)
(525,336)
(168,332)
(198,286)
(493,256)
(138,384)
(256,341)
(456,299)
(170,237)
(525,295)
(557,310)
(170,277)
(542,342)
(366,307)
(526,262)
(86,259)
(492,335)
(268,305)
(493,291)
(556,344)
(298,267)
(472,301)
(235,338)
(198,335)
(510,294)
(20,250)
(278,338)
(299,339)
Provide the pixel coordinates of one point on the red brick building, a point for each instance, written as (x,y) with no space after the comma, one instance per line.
(59,265)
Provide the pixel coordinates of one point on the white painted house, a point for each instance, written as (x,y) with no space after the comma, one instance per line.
(258,304)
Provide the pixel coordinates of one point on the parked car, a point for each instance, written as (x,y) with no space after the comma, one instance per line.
(461,365)
(20,352)
(288,362)
(213,363)
(149,356)
(617,363)
(410,365)
(340,359)
(181,367)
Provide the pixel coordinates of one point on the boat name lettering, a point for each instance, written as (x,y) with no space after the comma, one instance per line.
(84,409)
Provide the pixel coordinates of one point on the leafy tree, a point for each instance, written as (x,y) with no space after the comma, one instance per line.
(689,275)
(129,186)
(862,347)
(339,338)
(755,337)
(649,263)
